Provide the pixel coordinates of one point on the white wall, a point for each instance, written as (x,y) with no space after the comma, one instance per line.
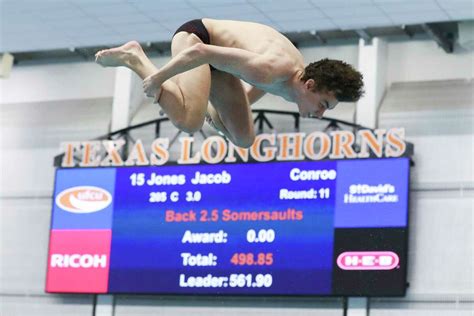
(42,105)
(56,82)
(424,61)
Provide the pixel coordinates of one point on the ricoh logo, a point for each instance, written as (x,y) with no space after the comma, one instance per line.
(78,261)
(368,260)
(85,199)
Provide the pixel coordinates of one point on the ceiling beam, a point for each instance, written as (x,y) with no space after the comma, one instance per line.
(79,52)
(364,35)
(407,31)
(318,37)
(443,40)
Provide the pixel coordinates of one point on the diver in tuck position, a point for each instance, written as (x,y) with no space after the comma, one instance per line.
(211,58)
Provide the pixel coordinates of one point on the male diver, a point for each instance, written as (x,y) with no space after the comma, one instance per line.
(210,61)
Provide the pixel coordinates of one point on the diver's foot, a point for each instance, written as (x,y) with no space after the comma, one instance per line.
(126,55)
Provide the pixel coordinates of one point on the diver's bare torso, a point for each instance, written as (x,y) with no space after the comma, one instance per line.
(260,39)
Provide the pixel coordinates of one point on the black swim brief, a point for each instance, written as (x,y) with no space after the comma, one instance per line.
(199,29)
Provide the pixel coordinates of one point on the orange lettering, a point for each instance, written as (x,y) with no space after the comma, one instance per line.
(290,146)
(342,142)
(243,153)
(207,149)
(310,142)
(69,149)
(186,148)
(113,157)
(137,156)
(268,152)
(89,154)
(367,139)
(160,154)
(396,142)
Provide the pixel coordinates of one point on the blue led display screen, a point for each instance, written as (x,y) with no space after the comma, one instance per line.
(280,228)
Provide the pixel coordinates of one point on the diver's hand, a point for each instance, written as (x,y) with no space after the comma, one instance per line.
(152,87)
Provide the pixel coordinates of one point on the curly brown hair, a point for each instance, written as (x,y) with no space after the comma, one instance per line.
(336,76)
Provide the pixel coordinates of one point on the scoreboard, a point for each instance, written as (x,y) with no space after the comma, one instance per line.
(334,227)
